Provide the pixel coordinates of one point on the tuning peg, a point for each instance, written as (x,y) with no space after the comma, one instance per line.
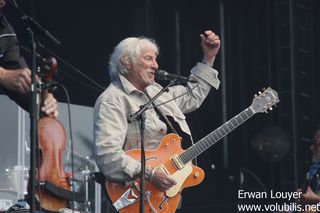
(255,95)
(259,92)
(271,108)
(266,111)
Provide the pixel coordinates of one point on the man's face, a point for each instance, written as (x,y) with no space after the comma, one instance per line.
(141,71)
(315,146)
(2,3)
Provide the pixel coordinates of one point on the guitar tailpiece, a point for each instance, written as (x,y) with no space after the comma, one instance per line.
(124,201)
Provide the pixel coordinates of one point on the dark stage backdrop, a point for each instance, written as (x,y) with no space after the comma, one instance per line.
(267,43)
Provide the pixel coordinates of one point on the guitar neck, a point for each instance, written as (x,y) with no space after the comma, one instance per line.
(216,135)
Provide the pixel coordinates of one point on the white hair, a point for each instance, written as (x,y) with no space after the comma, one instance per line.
(128,49)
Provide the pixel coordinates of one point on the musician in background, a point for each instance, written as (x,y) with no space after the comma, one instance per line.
(15,77)
(311,195)
(132,69)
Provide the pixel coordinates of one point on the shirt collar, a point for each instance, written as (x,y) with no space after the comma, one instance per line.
(127,86)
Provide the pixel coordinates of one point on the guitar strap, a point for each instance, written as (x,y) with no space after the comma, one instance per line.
(163,117)
(173,127)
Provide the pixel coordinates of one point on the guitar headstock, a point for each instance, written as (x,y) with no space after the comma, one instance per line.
(265,100)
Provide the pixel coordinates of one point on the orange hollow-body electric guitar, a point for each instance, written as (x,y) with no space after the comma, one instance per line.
(176,163)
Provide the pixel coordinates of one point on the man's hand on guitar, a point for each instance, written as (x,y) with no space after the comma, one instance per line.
(159,179)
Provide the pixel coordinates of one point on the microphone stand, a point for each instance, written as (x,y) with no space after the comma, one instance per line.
(32,27)
(33,119)
(34,24)
(139,115)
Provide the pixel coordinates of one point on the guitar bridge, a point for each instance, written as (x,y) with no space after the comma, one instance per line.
(177,162)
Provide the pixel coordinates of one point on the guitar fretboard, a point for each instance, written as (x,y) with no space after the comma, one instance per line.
(216,135)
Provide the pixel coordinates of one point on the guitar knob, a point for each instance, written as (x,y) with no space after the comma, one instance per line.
(196,174)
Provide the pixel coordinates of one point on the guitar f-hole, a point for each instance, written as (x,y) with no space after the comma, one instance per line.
(162,202)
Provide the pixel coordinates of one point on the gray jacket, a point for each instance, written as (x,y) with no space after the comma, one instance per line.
(113,134)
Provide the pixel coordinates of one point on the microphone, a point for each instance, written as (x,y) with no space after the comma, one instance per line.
(164,75)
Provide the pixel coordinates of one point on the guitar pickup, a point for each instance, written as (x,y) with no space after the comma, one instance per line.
(177,162)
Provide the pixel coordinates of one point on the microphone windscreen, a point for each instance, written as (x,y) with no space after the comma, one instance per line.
(161,75)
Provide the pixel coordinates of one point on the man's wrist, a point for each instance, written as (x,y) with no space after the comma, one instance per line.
(150,173)
(206,62)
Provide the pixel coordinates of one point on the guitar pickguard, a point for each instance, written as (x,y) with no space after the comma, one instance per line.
(179,176)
